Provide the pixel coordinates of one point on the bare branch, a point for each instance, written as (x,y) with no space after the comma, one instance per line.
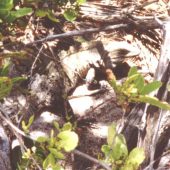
(92,159)
(76,33)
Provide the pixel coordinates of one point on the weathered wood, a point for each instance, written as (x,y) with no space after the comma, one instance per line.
(158,120)
(152,124)
(5,163)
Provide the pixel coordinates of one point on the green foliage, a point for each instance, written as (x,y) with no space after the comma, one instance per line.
(6,85)
(69,9)
(46,13)
(116,148)
(111,134)
(70,14)
(50,162)
(10,11)
(48,151)
(154,101)
(148,88)
(25,126)
(80,2)
(5,69)
(134,159)
(134,89)
(116,152)
(68,140)
(8,14)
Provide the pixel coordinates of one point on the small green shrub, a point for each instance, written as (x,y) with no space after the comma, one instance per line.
(26,126)
(116,152)
(8,13)
(69,8)
(6,85)
(10,10)
(49,151)
(135,90)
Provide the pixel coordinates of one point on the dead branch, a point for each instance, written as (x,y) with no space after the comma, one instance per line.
(77,33)
(91,159)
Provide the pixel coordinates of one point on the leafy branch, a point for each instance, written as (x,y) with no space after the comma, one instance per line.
(49,151)
(134,89)
(116,152)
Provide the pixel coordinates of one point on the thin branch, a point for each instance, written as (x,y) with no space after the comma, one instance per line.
(76,33)
(11,125)
(17,131)
(77,152)
(35,61)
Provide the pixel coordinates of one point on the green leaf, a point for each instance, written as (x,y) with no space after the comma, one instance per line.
(129,88)
(131,79)
(52,133)
(139,82)
(48,13)
(70,14)
(114,84)
(67,126)
(52,17)
(21,12)
(132,71)
(5,70)
(41,13)
(31,119)
(26,127)
(18,79)
(119,149)
(135,158)
(111,133)
(6,4)
(69,140)
(52,139)
(4,14)
(153,101)
(150,87)
(49,161)
(105,149)
(80,2)
(56,125)
(56,153)
(42,139)
(5,86)
(17,14)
